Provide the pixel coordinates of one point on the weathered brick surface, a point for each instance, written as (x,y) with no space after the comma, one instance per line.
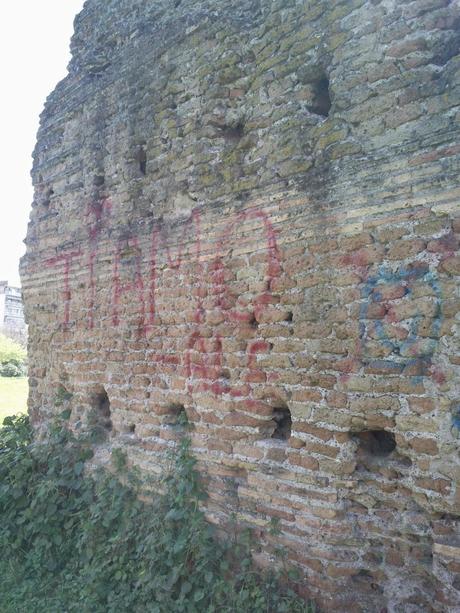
(248,207)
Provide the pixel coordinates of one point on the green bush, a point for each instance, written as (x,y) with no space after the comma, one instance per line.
(11,351)
(12,358)
(98,541)
(12,369)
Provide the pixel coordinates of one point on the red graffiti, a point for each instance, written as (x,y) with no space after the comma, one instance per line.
(273,260)
(255,374)
(203,360)
(210,363)
(128,250)
(255,348)
(438,375)
(214,304)
(65,259)
(153,275)
(96,212)
(159,242)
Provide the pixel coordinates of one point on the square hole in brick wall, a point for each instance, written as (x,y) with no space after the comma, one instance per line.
(322,101)
(176,416)
(283,423)
(101,413)
(378,443)
(141,158)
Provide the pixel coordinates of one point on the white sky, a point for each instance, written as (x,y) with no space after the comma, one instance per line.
(34,53)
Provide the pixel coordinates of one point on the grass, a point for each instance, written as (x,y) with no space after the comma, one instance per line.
(13,396)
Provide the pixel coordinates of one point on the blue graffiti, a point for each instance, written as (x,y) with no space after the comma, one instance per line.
(408,349)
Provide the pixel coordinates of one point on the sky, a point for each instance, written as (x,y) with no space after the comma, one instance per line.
(34,53)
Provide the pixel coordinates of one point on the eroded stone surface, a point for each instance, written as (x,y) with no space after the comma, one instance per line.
(249,207)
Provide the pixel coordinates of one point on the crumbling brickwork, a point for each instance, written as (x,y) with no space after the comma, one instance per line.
(247,212)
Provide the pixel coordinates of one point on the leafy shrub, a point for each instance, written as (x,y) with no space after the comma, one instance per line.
(12,369)
(12,358)
(73,539)
(11,351)
(62,396)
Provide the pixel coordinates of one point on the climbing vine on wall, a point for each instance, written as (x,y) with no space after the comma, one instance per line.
(78,540)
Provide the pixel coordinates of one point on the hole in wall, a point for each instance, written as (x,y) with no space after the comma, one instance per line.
(177,415)
(101,406)
(141,158)
(448,48)
(132,428)
(235,132)
(289,316)
(448,517)
(365,577)
(378,443)
(99,180)
(47,198)
(321,104)
(283,423)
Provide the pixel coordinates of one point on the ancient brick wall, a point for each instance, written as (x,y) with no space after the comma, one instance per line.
(248,211)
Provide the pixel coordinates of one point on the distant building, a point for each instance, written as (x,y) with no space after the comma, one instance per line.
(11,310)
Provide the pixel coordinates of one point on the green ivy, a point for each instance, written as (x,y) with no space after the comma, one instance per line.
(99,541)
(62,395)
